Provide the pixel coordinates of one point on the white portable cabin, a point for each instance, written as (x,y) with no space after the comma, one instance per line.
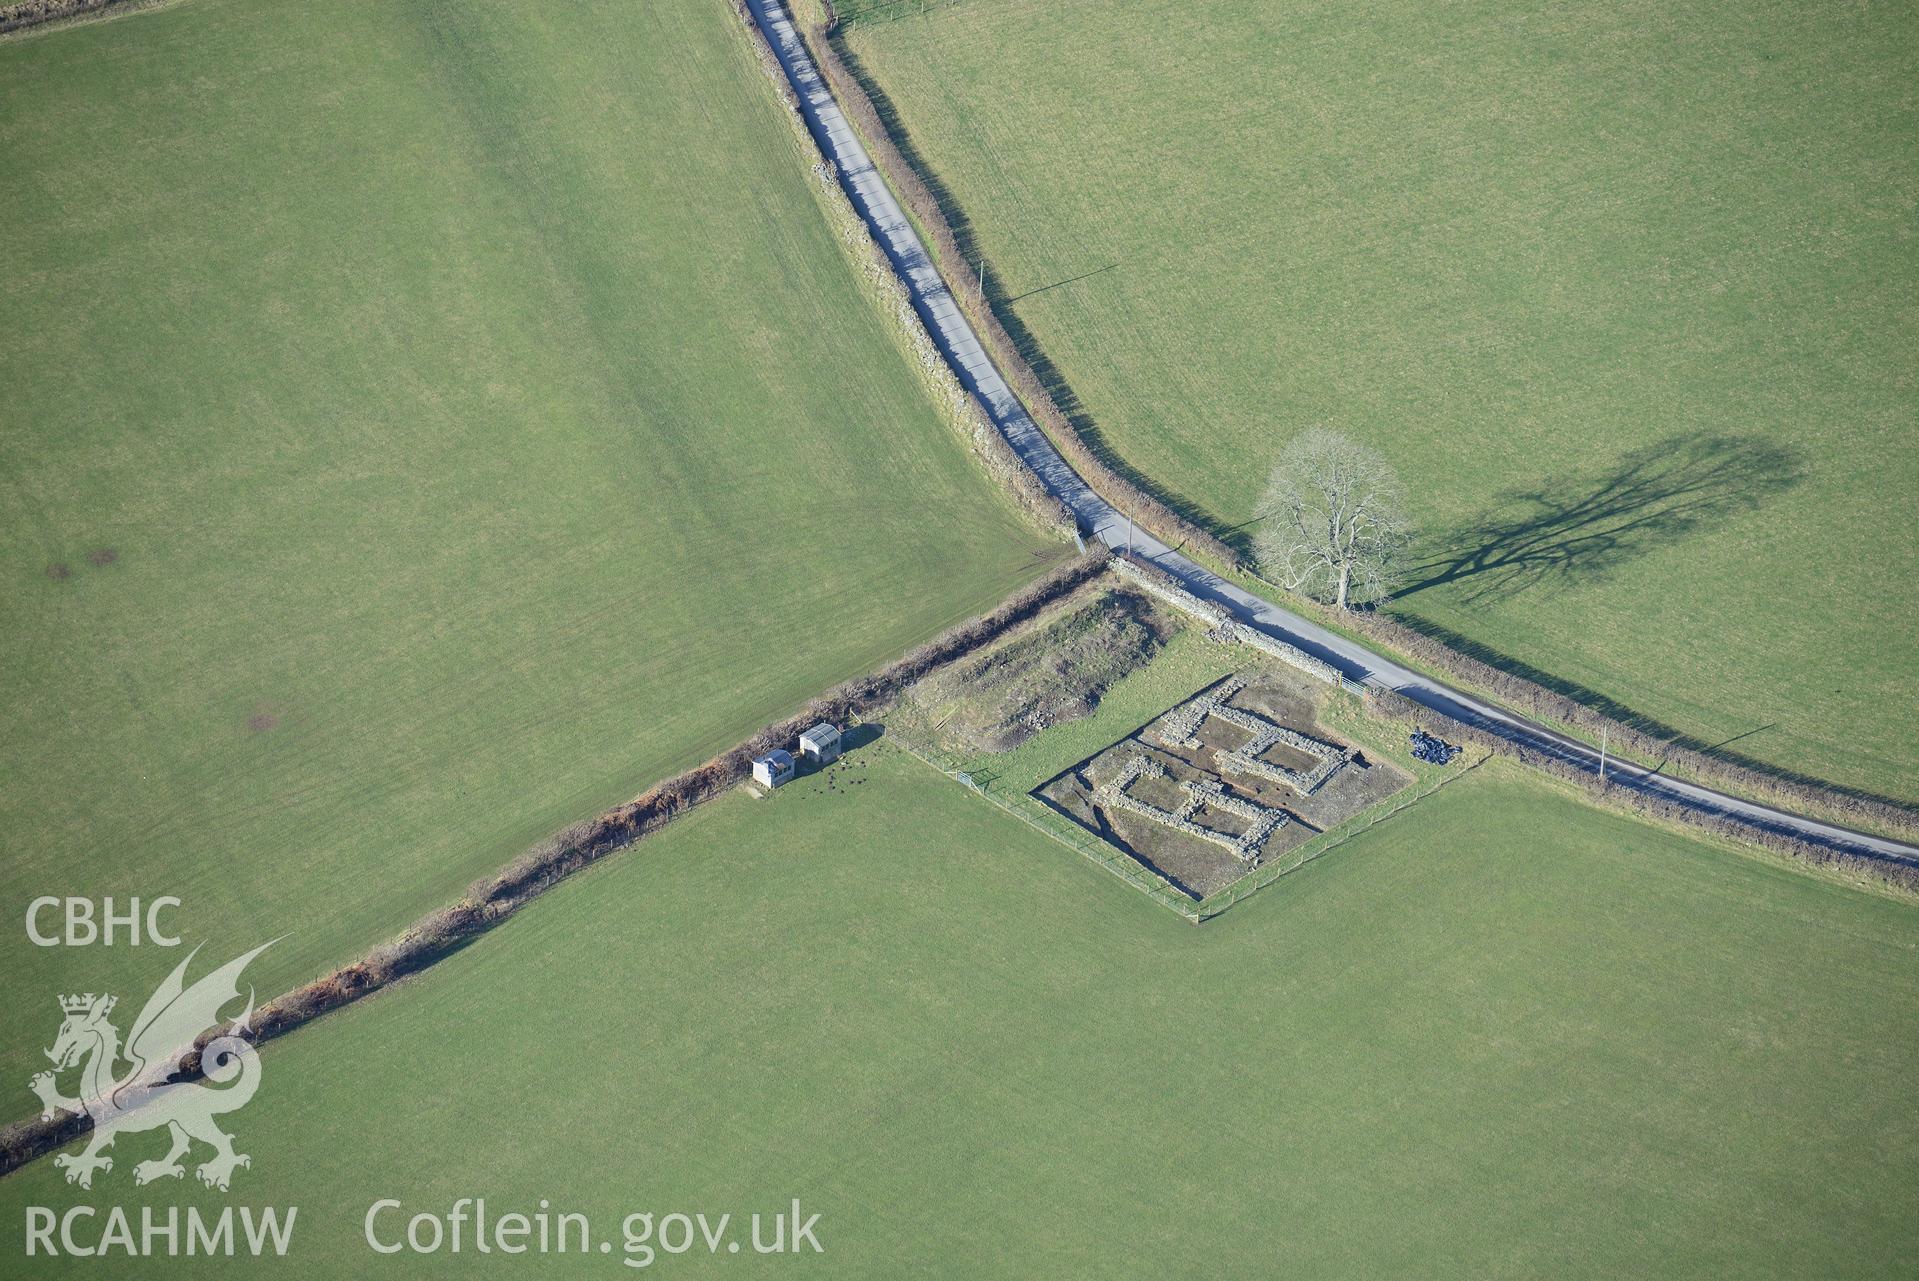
(821,744)
(772,769)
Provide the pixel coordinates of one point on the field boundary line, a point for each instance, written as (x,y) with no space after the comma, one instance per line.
(1132,874)
(969,292)
(56,16)
(1326,842)
(894,298)
(495,899)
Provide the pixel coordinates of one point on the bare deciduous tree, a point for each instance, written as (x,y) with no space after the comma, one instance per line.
(1332,522)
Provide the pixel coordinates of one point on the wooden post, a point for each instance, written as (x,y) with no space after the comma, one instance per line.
(1604,731)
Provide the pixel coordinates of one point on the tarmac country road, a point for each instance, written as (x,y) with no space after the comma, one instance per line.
(961,345)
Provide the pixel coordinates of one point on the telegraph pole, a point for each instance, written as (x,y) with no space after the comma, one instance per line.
(1604,731)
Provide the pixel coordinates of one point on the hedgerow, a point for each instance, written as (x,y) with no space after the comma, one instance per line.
(1395,707)
(497,897)
(908,185)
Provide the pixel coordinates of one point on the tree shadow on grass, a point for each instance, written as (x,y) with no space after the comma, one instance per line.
(1578,529)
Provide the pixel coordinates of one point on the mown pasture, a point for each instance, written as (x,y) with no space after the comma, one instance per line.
(1502,1034)
(421,426)
(1625,291)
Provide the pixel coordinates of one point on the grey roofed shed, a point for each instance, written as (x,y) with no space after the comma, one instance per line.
(821,744)
(774,768)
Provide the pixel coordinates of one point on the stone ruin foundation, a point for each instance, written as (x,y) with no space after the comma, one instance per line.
(1180,729)
(1261,822)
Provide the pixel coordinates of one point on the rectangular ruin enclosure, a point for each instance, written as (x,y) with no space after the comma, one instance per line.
(1235,777)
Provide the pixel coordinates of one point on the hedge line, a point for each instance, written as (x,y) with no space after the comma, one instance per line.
(1393,706)
(1160,520)
(996,453)
(495,898)
(1542,703)
(30,13)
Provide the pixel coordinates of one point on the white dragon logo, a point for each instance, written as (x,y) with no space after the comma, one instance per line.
(141,1098)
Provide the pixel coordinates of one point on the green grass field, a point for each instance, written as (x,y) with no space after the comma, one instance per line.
(1502,1035)
(1626,292)
(484,424)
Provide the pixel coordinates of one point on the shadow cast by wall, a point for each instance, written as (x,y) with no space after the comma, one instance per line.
(1000,298)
